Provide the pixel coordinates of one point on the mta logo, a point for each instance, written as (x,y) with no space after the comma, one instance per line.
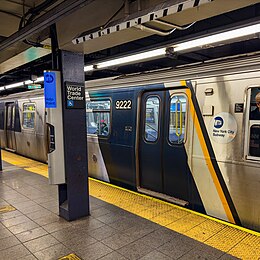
(48,78)
(218,123)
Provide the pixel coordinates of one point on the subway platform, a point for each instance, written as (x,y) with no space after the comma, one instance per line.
(122,225)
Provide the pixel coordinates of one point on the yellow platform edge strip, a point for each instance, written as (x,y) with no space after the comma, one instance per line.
(45,174)
(182,208)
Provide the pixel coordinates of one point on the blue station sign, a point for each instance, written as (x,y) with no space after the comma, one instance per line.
(50,89)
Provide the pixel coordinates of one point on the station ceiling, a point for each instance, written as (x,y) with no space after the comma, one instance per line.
(105,29)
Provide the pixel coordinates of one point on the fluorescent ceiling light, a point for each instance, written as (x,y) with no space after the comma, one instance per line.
(15,85)
(218,37)
(127,59)
(40,79)
(188,45)
(27,82)
(88,68)
(132,58)
(19,84)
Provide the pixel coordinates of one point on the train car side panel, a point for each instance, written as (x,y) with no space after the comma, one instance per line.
(31,140)
(114,150)
(241,175)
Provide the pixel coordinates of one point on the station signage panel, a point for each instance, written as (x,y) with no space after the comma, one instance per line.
(75,95)
(50,89)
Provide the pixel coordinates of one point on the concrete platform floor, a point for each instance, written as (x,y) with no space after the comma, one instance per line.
(122,225)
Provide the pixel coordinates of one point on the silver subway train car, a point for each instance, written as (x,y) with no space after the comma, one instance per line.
(186,135)
(22,124)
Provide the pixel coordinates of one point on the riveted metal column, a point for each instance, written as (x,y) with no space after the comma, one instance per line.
(74,195)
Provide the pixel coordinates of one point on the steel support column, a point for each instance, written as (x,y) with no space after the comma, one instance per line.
(73,195)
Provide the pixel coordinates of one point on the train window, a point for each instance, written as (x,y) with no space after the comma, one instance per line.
(254,124)
(98,117)
(177,119)
(29,115)
(254,144)
(152,119)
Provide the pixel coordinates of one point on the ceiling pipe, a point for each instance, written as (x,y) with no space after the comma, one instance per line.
(162,32)
(173,25)
(154,31)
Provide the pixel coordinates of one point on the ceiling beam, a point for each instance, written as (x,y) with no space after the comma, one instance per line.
(44,21)
(11,14)
(18,3)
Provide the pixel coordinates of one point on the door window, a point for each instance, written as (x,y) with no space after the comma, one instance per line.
(29,115)
(9,117)
(177,118)
(151,128)
(13,116)
(98,117)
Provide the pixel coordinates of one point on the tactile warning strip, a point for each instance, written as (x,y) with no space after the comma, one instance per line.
(237,241)
(25,163)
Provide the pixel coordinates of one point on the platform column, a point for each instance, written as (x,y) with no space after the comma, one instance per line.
(74,194)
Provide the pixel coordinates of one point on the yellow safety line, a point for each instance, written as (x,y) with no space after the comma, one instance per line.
(181,208)
(208,160)
(5,153)
(25,163)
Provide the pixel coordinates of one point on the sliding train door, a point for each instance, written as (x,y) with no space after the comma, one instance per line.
(10,126)
(163,165)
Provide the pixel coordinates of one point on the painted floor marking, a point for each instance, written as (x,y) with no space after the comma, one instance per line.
(6,209)
(70,257)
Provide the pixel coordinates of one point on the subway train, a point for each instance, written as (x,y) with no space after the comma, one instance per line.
(184,135)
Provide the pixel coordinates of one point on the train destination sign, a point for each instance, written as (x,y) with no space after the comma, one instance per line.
(75,95)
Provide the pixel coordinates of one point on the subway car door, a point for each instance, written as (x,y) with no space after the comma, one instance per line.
(163,165)
(10,126)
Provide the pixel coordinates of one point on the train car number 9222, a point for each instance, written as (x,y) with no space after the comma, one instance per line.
(123,104)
